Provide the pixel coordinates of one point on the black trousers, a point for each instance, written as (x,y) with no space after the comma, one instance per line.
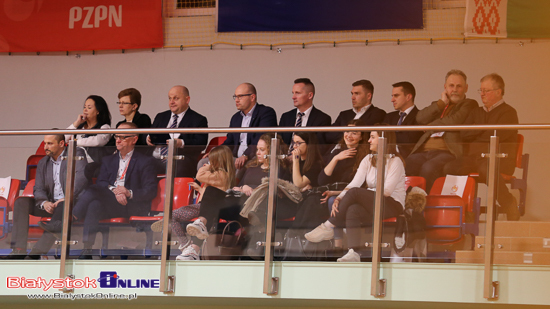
(356,209)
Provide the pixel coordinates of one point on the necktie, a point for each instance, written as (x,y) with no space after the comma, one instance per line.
(401,117)
(298,124)
(164,150)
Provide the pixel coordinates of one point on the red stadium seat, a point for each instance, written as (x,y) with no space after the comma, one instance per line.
(216,141)
(6,205)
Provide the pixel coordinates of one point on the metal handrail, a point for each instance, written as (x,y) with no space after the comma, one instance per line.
(282,129)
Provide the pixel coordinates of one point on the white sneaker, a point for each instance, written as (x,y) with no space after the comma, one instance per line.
(185,242)
(320,233)
(351,256)
(188,254)
(197,229)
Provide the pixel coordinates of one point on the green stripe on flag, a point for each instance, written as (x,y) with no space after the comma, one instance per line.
(528,19)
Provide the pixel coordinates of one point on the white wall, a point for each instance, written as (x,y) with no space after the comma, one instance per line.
(45,91)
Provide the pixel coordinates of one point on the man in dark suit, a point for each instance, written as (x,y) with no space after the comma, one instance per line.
(126,185)
(189,145)
(402,98)
(49,196)
(251,114)
(361,99)
(305,114)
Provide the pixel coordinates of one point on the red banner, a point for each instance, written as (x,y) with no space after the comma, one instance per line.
(54,25)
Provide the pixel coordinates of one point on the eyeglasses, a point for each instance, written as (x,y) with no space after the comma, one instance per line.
(122,137)
(240,96)
(484,91)
(298,144)
(124,103)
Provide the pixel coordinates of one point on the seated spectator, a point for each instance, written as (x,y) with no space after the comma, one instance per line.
(96,115)
(49,197)
(305,114)
(190,145)
(306,160)
(215,203)
(361,100)
(435,149)
(129,102)
(251,114)
(354,207)
(126,185)
(219,174)
(402,97)
(258,168)
(493,111)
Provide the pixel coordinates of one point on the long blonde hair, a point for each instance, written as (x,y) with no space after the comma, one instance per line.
(221,160)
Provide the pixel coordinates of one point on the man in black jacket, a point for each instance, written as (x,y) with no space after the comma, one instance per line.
(402,98)
(190,145)
(361,99)
(305,114)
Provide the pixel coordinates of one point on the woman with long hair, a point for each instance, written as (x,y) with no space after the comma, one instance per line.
(306,160)
(258,168)
(354,207)
(219,175)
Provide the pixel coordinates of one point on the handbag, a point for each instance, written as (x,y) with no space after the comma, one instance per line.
(225,245)
(297,248)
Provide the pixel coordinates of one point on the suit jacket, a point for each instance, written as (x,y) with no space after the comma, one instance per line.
(316,119)
(262,116)
(194,143)
(406,140)
(431,115)
(44,185)
(141,178)
(371,117)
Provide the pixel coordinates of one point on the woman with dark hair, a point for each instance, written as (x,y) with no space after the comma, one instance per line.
(306,160)
(94,116)
(343,160)
(354,207)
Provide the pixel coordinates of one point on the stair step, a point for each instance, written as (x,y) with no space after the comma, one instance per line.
(504,257)
(520,244)
(522,229)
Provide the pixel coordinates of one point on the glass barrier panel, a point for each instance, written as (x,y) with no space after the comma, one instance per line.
(522,232)
(18,230)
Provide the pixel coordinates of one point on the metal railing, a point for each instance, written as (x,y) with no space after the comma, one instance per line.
(270,286)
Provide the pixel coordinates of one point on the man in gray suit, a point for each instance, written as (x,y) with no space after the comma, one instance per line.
(49,196)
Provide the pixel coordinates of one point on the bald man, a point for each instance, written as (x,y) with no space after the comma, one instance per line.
(180,115)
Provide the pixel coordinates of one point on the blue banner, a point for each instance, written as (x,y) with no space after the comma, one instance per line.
(318,15)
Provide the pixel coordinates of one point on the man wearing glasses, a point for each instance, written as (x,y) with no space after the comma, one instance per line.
(493,111)
(250,114)
(125,187)
(190,145)
(435,149)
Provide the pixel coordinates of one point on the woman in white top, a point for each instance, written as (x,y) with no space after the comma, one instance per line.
(354,207)
(95,115)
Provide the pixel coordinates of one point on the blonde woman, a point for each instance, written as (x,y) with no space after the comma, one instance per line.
(217,176)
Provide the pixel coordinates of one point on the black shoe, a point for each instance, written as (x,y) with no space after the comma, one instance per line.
(86,254)
(16,254)
(54,227)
